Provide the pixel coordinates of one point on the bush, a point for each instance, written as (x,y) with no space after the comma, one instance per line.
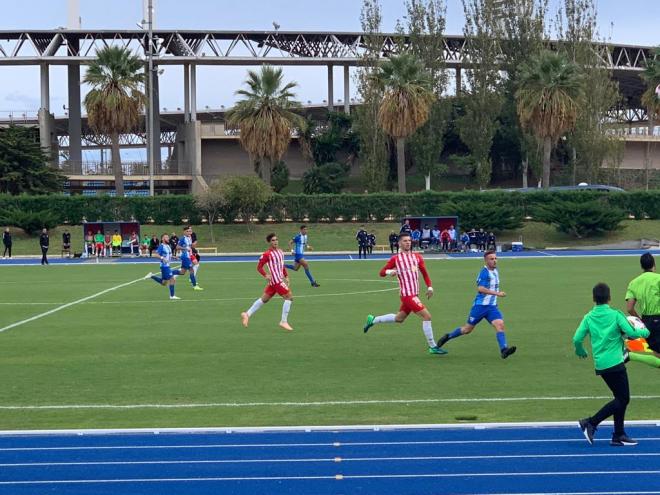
(31,221)
(246,195)
(279,177)
(326,178)
(581,219)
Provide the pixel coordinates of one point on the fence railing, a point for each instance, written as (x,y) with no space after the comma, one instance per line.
(129,168)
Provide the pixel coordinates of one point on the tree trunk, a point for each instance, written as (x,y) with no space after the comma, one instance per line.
(525,171)
(401,163)
(547,151)
(647,160)
(574,160)
(116,164)
(266,167)
(427,179)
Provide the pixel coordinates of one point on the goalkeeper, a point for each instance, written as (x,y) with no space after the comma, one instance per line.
(605,327)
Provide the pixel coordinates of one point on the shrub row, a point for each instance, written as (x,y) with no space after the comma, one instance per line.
(490,210)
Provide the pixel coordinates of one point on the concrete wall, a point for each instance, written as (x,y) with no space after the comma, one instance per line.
(634,155)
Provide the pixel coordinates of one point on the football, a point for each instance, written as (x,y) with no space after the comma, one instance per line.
(636,323)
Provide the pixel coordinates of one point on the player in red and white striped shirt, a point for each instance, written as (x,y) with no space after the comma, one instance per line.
(407,265)
(278,282)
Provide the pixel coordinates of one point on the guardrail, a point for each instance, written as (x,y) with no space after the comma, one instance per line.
(129,168)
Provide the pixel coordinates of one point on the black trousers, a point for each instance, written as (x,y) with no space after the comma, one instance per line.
(652,322)
(393,247)
(617,381)
(362,249)
(44,251)
(7,249)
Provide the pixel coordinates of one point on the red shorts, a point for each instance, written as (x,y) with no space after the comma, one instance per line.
(99,246)
(282,289)
(411,304)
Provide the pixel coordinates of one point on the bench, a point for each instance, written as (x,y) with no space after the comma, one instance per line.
(383,247)
(208,250)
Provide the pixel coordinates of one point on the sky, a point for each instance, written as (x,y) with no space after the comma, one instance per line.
(635,22)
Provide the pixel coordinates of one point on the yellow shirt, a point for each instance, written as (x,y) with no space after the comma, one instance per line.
(116,240)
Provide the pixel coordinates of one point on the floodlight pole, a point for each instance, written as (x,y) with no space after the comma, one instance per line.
(150,58)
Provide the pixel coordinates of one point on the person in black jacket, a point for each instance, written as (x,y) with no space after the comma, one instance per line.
(371,239)
(153,244)
(394,242)
(363,242)
(6,240)
(44,241)
(66,243)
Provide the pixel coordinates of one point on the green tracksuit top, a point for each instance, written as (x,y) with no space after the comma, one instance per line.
(605,327)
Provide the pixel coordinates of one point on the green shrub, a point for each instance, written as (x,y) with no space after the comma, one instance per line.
(581,219)
(326,178)
(279,177)
(31,221)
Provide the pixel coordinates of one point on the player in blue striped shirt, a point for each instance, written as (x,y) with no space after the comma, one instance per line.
(299,244)
(185,248)
(167,274)
(485,306)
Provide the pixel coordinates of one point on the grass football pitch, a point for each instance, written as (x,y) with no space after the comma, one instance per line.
(130,357)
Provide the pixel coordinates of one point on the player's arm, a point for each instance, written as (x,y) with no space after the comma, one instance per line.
(425,274)
(630,331)
(630,307)
(485,290)
(389,268)
(291,243)
(286,275)
(260,267)
(579,337)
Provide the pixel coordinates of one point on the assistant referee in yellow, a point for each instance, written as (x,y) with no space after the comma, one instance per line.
(643,300)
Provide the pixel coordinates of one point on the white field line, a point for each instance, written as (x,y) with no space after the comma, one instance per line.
(322,460)
(337,477)
(199,405)
(67,305)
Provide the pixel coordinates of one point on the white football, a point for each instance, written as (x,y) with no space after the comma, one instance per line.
(636,323)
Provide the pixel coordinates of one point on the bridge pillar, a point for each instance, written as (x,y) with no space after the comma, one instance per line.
(458,81)
(186,92)
(75,113)
(193,92)
(331,98)
(347,91)
(44,117)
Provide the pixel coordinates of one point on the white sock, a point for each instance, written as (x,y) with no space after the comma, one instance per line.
(286,307)
(428,333)
(255,306)
(390,318)
(195,268)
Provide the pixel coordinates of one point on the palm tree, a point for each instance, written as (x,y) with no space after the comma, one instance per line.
(651,100)
(265,117)
(548,99)
(406,103)
(116,101)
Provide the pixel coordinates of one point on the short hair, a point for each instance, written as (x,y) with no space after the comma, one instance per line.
(270,236)
(303,227)
(601,293)
(404,234)
(187,227)
(647,262)
(489,252)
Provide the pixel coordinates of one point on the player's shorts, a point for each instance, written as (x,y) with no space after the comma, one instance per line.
(411,304)
(194,258)
(166,272)
(282,289)
(99,245)
(653,325)
(186,263)
(479,312)
(297,257)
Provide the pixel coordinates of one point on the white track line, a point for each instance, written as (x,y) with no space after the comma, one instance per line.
(334,460)
(67,305)
(313,403)
(337,477)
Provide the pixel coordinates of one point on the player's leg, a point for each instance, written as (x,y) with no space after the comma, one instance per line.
(286,307)
(495,318)
(427,328)
(256,305)
(399,317)
(477,313)
(170,284)
(303,262)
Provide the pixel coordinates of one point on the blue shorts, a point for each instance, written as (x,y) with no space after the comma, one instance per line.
(297,257)
(186,263)
(165,272)
(479,312)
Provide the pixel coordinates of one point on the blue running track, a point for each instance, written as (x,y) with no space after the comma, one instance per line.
(511,459)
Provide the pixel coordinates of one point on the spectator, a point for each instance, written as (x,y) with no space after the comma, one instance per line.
(144,247)
(116,243)
(108,245)
(473,238)
(134,242)
(416,236)
(174,242)
(482,237)
(491,242)
(44,242)
(66,243)
(444,239)
(6,241)
(394,242)
(405,228)
(98,243)
(363,242)
(89,243)
(193,238)
(371,238)
(153,244)
(452,238)
(465,242)
(435,237)
(426,237)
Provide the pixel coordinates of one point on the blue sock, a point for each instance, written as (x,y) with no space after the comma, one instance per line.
(156,279)
(501,339)
(309,275)
(176,272)
(455,333)
(171,290)
(290,267)
(192,278)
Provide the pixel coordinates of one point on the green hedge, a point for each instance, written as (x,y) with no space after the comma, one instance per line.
(490,210)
